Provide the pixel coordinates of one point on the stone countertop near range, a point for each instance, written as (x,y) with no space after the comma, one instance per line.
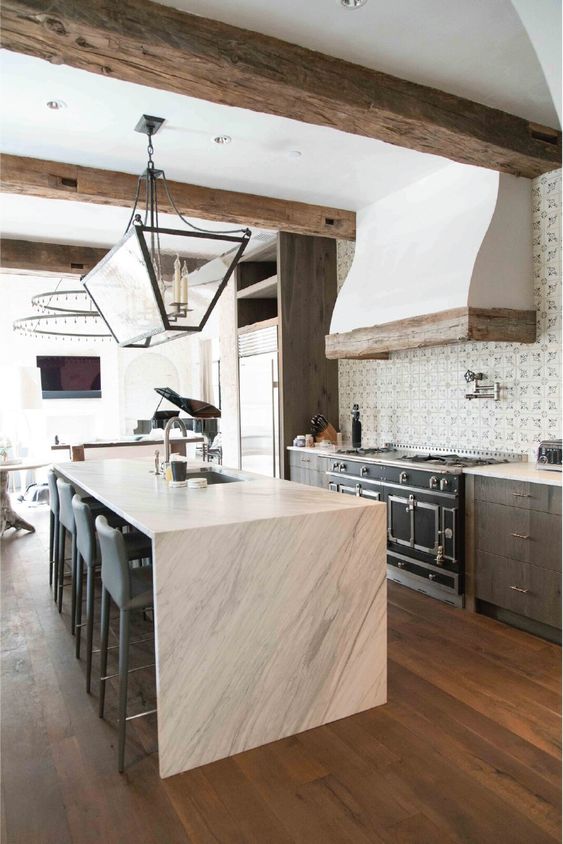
(511,471)
(131,489)
(525,472)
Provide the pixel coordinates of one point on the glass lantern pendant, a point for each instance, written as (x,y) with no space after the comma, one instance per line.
(153,286)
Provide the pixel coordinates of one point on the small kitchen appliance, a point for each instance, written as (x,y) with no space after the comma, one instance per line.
(549,455)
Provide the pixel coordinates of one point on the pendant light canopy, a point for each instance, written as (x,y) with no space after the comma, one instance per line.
(143,288)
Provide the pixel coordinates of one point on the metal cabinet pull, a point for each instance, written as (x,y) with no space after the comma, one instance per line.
(522,494)
(519,589)
(521,535)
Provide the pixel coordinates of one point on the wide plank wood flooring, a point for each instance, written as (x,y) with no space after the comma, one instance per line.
(468,749)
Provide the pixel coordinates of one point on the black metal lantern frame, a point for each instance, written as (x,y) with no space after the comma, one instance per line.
(128,286)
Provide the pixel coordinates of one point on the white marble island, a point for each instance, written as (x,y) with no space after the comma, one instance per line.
(270,605)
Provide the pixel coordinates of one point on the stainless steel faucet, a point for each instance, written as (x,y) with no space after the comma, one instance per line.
(175,420)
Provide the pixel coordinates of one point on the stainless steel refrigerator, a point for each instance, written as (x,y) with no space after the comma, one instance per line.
(259,402)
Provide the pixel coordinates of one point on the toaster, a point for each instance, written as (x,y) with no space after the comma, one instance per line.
(549,455)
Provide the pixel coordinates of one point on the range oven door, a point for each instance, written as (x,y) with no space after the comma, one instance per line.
(414,523)
(349,487)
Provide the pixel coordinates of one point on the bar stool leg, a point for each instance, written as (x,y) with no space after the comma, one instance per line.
(104,634)
(74,582)
(123,678)
(61,578)
(90,595)
(51,546)
(55,552)
(79,576)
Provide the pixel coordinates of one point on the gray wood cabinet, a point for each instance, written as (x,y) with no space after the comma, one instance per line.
(517,538)
(308,468)
(300,301)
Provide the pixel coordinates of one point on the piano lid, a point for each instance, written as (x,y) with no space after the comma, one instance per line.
(193,407)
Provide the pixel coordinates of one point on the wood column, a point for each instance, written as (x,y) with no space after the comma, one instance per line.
(306,297)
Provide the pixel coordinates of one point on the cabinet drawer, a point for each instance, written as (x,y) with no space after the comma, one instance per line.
(527,496)
(527,535)
(519,587)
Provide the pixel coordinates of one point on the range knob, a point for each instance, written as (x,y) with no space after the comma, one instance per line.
(342,467)
(444,483)
(335,467)
(431,576)
(403,478)
(363,471)
(433,483)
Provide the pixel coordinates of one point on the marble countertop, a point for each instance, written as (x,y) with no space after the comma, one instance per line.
(517,472)
(134,440)
(130,488)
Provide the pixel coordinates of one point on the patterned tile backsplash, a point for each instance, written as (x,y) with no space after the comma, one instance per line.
(417,397)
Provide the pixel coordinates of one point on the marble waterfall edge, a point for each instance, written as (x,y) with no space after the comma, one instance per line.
(267,628)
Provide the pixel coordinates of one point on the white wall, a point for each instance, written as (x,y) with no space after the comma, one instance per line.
(128,375)
(457,237)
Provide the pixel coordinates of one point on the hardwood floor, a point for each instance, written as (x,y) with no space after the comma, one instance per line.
(467,749)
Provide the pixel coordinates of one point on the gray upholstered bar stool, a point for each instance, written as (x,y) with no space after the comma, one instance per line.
(53,528)
(131,589)
(67,527)
(137,546)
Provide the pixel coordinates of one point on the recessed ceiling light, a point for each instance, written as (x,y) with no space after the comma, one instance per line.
(56,105)
(353,4)
(222,139)
(294,153)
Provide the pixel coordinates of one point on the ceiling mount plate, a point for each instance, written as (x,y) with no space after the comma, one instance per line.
(148,124)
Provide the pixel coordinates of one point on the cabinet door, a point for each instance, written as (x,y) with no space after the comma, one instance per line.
(296,474)
(527,535)
(527,495)
(524,589)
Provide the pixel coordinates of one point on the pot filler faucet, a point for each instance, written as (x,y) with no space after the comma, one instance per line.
(169,425)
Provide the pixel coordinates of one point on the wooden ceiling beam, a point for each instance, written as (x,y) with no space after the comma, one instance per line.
(149,44)
(32,257)
(53,180)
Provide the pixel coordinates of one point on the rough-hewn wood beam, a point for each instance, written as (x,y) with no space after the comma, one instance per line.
(146,43)
(29,256)
(502,325)
(52,180)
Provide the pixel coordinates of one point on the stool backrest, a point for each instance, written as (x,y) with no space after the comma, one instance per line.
(116,576)
(66,515)
(53,492)
(85,533)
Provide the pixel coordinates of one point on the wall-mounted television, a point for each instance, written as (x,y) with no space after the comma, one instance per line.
(70,377)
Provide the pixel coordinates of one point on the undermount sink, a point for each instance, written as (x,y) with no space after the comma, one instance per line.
(213,477)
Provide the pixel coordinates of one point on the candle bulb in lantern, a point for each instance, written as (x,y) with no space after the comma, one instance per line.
(177,280)
(184,284)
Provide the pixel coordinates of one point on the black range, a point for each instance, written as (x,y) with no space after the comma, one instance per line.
(425,507)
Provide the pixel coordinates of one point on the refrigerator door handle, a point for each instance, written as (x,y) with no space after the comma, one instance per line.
(273,420)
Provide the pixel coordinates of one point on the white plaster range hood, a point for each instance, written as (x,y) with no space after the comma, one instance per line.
(446,259)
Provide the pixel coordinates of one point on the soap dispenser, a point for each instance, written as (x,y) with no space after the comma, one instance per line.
(356,427)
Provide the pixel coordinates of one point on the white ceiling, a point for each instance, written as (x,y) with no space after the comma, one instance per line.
(474,48)
(96,129)
(89,225)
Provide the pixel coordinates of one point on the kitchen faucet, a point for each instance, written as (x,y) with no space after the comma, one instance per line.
(175,420)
